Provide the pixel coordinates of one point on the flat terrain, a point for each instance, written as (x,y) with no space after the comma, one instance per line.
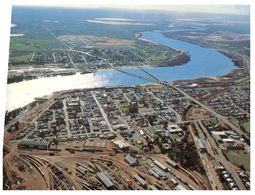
(93,41)
(240,158)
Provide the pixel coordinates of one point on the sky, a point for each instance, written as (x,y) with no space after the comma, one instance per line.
(181,5)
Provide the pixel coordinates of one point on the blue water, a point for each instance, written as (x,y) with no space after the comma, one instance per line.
(205,62)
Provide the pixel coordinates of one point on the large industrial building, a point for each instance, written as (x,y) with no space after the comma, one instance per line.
(43,145)
(105,180)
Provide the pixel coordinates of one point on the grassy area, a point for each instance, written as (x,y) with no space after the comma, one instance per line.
(240,158)
(210,122)
(16,59)
(19,56)
(22,48)
(125,107)
(22,44)
(234,121)
(245,124)
(154,53)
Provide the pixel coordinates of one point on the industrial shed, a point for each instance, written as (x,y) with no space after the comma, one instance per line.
(42,145)
(105,180)
(132,161)
(140,180)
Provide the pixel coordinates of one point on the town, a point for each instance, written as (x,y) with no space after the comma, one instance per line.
(86,54)
(145,137)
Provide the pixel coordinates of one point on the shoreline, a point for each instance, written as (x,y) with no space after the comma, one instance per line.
(181,59)
(233,57)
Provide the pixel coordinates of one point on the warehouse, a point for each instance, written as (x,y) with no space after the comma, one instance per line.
(152,187)
(160,165)
(153,173)
(121,144)
(140,180)
(172,163)
(228,140)
(42,145)
(105,180)
(181,187)
(132,161)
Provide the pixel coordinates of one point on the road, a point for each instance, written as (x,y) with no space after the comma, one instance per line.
(212,175)
(71,60)
(102,111)
(204,160)
(66,119)
(221,158)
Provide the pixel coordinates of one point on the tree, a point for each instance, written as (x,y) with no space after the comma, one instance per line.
(55,141)
(150,119)
(133,107)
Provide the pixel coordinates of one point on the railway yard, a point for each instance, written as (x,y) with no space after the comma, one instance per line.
(153,137)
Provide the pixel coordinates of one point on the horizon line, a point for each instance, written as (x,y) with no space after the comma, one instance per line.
(159,7)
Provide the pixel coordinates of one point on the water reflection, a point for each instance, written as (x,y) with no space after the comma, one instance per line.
(22,93)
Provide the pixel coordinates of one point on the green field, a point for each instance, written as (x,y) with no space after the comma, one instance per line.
(22,48)
(245,124)
(210,122)
(154,53)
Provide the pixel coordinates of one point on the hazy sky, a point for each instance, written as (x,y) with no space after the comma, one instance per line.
(148,4)
(228,9)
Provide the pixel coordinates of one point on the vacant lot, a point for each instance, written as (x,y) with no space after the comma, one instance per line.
(240,158)
(88,40)
(245,124)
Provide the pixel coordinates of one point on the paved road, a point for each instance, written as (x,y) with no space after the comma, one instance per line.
(66,119)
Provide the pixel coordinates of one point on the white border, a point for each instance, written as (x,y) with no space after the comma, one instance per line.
(5,21)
